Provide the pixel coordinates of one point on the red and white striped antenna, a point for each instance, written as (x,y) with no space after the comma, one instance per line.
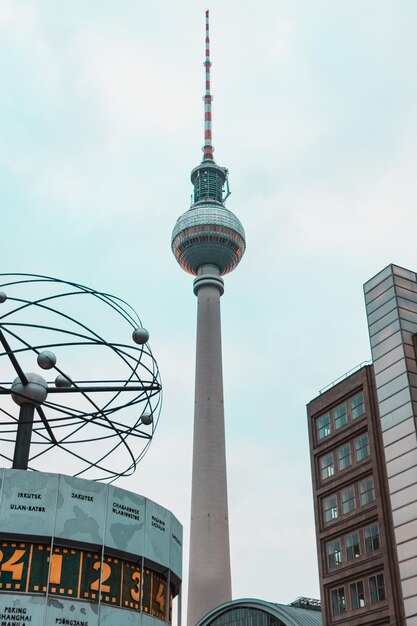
(207,148)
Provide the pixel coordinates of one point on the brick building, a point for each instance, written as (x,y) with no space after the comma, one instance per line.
(364,468)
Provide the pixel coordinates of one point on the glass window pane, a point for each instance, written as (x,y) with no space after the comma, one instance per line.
(372,538)
(352,546)
(327,466)
(367,491)
(362,447)
(338,601)
(323,426)
(348,500)
(377,588)
(340,416)
(381,586)
(344,458)
(357,595)
(330,508)
(334,553)
(357,405)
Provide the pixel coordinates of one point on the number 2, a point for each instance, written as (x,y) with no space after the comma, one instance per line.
(105,575)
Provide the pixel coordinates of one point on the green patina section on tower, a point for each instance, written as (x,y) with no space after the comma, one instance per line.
(208,180)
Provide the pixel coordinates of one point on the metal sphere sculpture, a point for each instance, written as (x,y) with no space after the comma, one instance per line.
(97,412)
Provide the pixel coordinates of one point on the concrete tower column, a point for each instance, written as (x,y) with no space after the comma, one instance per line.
(208,241)
(209,574)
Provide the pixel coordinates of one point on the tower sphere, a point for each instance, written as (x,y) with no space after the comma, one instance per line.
(208,234)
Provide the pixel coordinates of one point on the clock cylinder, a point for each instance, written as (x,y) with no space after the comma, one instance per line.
(84,553)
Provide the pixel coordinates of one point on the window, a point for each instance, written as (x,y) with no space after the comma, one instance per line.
(377,587)
(357,405)
(353,549)
(362,447)
(367,491)
(323,426)
(372,538)
(348,500)
(340,417)
(334,553)
(357,594)
(327,466)
(338,601)
(330,509)
(343,457)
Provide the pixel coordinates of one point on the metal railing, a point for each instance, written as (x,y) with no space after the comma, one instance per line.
(343,376)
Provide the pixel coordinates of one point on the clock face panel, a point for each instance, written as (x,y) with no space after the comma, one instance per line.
(72,549)
(77,512)
(82,575)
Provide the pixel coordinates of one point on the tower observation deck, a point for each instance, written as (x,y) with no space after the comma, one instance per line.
(208,241)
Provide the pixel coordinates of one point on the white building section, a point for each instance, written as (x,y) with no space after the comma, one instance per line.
(391,305)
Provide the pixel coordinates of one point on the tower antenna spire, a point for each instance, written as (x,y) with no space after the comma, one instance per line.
(208,98)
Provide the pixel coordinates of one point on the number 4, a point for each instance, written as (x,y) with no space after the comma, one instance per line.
(12,566)
(160,597)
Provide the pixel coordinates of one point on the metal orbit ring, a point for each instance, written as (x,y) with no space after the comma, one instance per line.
(104,399)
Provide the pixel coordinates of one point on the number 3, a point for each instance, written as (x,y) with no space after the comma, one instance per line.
(135,593)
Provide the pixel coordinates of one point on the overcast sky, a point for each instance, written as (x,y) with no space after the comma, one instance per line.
(101,122)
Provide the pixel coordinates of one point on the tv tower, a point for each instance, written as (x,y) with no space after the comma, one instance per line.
(208,241)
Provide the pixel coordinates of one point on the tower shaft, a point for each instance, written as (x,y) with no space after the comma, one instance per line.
(209,568)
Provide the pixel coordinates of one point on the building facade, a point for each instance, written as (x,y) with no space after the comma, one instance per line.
(363,446)
(358,572)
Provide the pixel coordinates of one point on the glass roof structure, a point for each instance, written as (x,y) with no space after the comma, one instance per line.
(252,612)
